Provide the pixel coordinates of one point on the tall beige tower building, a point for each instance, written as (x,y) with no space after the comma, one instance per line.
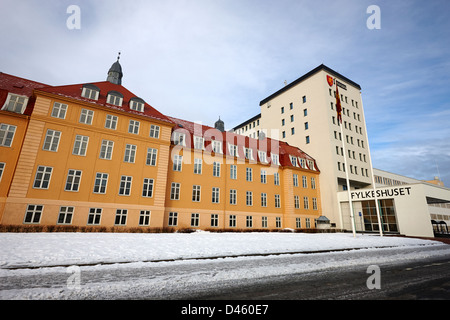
(303,114)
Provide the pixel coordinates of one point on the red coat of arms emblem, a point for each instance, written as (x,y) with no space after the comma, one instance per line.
(330,80)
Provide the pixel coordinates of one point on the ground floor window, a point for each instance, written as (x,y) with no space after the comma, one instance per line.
(33,214)
(387,213)
(195,219)
(144,218)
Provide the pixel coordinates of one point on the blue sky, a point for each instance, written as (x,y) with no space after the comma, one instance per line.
(198,59)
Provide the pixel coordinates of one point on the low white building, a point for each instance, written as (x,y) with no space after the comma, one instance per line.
(407,206)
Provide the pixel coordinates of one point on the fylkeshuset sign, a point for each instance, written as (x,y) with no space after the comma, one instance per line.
(392,192)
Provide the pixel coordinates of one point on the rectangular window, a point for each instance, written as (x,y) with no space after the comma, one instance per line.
(199,143)
(154,131)
(215,195)
(233,195)
(232,221)
(121,217)
(90,93)
(298,223)
(296,202)
(305,203)
(197,166)
(233,172)
(147,188)
(277,201)
(313,183)
(73,180)
(263,199)
(80,145)
(130,153)
(144,218)
(308,222)
(305,182)
(217,146)
(263,176)
(177,162)
(94,216)
(278,222)
(6,134)
(276,179)
(125,186)
(33,214)
(175,191)
(196,191)
(214,220)
(249,198)
(248,153)
(248,174)
(249,221)
(195,219)
(233,149)
(262,156)
(101,181)
(59,110)
(86,116)
(314,201)
(51,141)
(42,178)
(2,169)
(106,149)
(65,215)
(179,138)
(264,222)
(133,127)
(295,179)
(111,122)
(151,157)
(173,219)
(136,105)
(275,159)
(15,103)
(216,169)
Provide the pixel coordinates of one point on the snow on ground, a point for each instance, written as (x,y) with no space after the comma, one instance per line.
(63,249)
(107,278)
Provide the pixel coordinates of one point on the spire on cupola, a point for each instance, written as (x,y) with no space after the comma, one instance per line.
(115,72)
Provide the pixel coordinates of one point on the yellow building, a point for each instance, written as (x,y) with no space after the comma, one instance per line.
(97,155)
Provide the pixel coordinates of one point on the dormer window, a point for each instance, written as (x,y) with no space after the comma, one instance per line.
(115,98)
(15,103)
(90,91)
(137,104)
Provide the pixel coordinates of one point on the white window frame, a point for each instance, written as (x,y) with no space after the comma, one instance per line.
(233,196)
(80,145)
(125,185)
(86,116)
(43,177)
(130,153)
(144,218)
(133,127)
(13,103)
(73,180)
(199,143)
(215,195)
(106,149)
(111,122)
(59,110)
(198,165)
(177,163)
(94,216)
(152,157)
(173,219)
(51,140)
(90,93)
(65,215)
(196,193)
(33,214)
(100,183)
(7,133)
(120,218)
(154,131)
(148,187)
(175,191)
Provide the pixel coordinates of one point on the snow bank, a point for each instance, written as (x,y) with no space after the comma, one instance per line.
(63,249)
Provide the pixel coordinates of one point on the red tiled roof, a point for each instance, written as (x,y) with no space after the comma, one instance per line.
(20,86)
(74,91)
(283,149)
